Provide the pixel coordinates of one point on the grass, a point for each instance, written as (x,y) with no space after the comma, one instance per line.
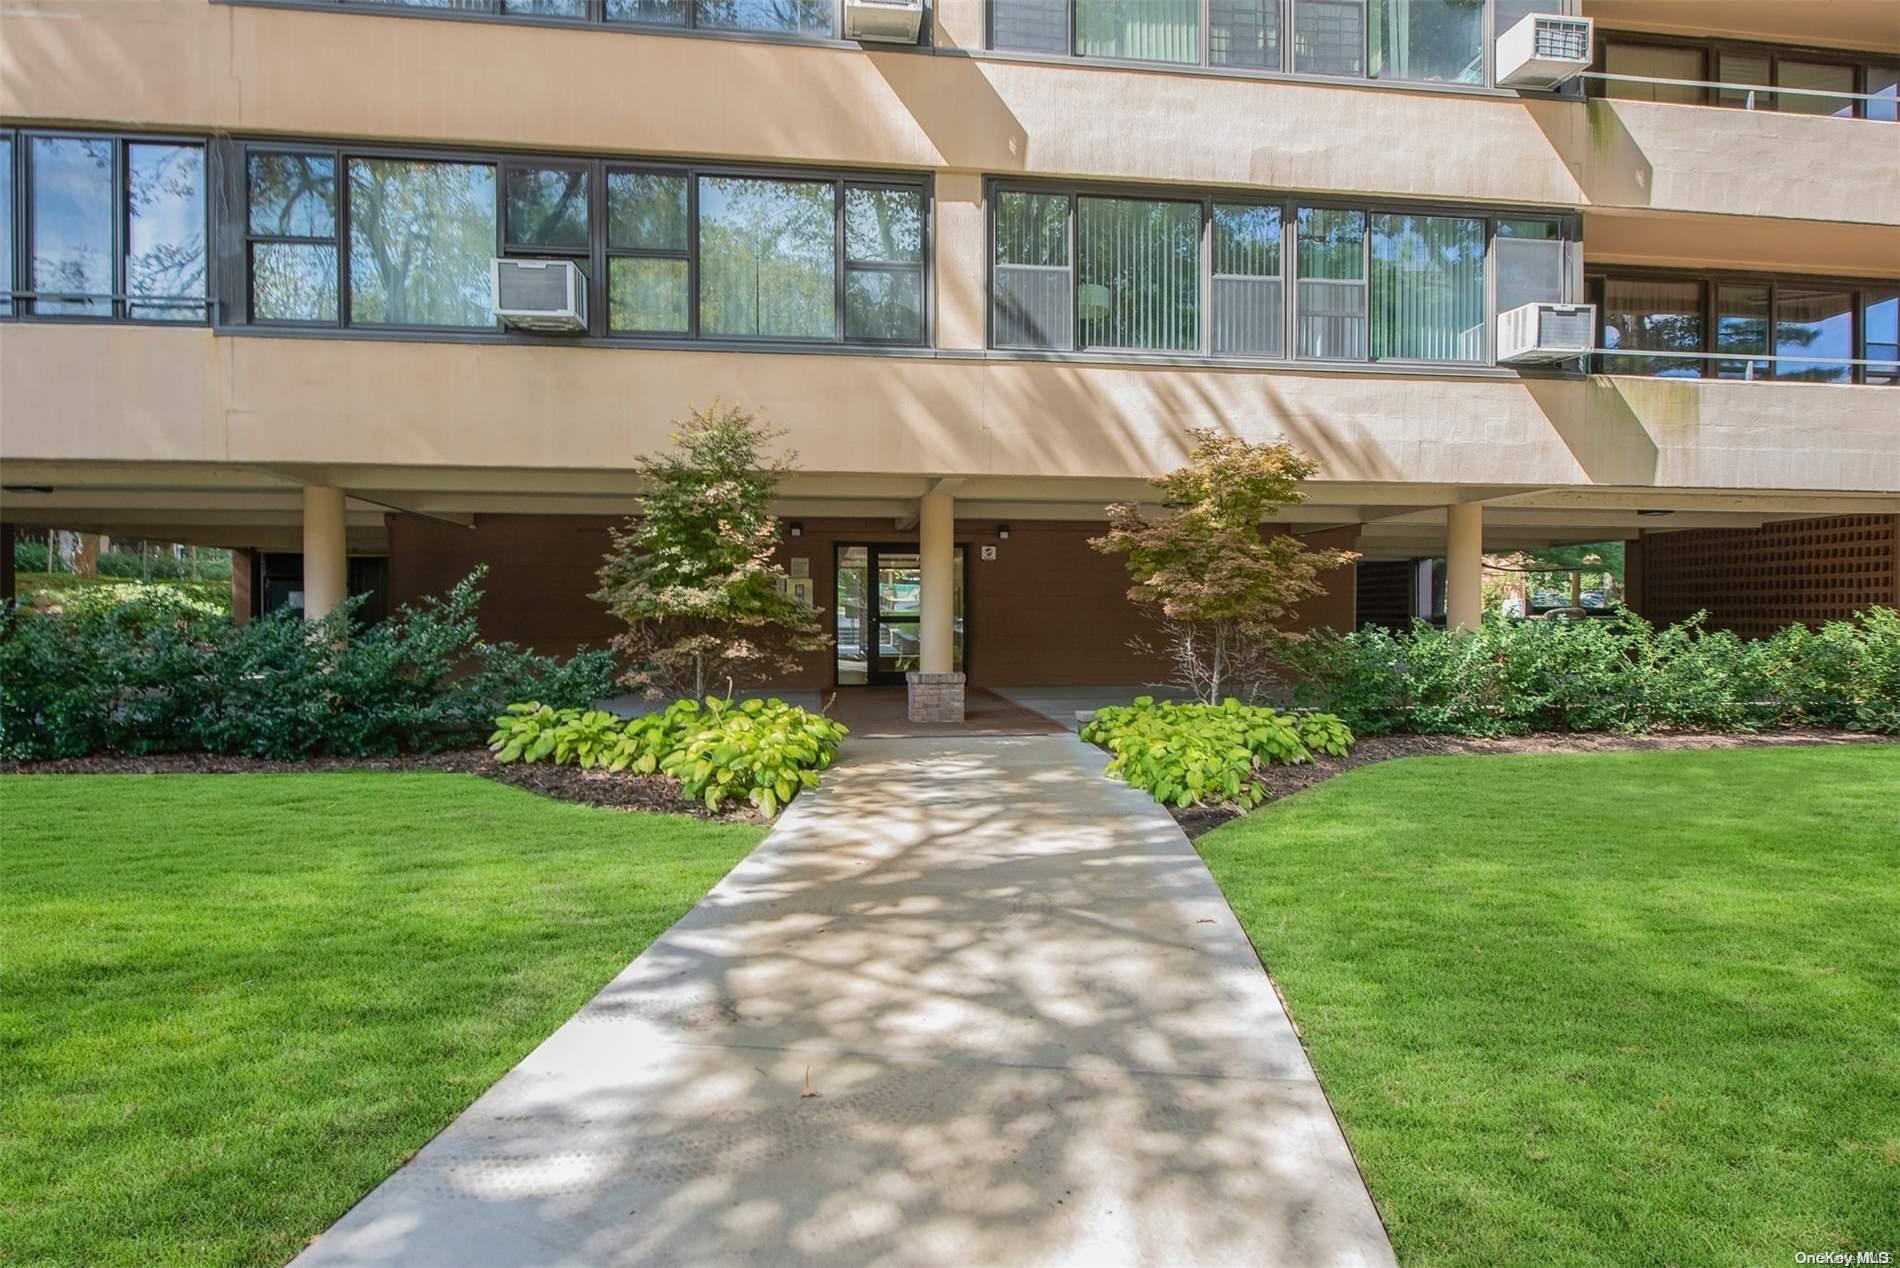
(231,1004)
(1618,1009)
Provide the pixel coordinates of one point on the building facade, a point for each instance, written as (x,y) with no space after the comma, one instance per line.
(984,282)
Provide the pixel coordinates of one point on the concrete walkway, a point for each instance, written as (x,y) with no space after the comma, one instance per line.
(1033,1030)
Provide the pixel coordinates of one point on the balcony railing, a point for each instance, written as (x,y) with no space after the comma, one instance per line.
(1741,366)
(1881,107)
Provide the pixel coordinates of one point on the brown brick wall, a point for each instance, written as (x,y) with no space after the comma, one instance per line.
(1047,611)
(1755,581)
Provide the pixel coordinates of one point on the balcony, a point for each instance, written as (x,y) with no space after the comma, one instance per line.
(128,394)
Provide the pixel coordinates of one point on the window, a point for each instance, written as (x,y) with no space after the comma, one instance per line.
(1244,33)
(1881,313)
(1329,37)
(1653,315)
(1428,297)
(6,225)
(1331,260)
(1441,40)
(1790,329)
(293,254)
(1653,61)
(767,258)
(649,268)
(669,252)
(884,264)
(1210,276)
(421,236)
(1034,301)
(115,227)
(1139,30)
(1139,276)
(1247,316)
(1817,323)
(1758,76)
(165,232)
(1741,325)
(800,19)
(70,256)
(547,208)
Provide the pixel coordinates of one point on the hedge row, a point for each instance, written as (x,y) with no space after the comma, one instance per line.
(1511,677)
(162,676)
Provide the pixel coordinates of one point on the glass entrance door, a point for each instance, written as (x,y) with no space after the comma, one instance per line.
(879,607)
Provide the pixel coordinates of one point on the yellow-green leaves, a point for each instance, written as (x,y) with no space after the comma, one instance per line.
(1184,754)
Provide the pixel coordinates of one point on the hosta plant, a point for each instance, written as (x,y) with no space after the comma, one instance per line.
(1185,754)
(764,752)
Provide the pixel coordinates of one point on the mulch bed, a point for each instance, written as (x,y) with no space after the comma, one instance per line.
(1282,780)
(600,788)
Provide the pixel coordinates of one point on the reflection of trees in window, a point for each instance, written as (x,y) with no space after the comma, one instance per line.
(797,17)
(1428,40)
(165,238)
(767,258)
(71,251)
(1428,300)
(547,207)
(1653,315)
(292,222)
(1332,284)
(884,254)
(648,277)
(421,236)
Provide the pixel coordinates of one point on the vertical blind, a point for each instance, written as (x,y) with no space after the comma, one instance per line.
(1033,300)
(1140,30)
(1140,274)
(1332,264)
(1428,300)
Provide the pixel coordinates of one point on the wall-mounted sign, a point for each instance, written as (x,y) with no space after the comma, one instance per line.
(800,566)
(989,552)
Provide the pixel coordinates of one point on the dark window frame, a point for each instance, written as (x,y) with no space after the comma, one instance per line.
(1289,203)
(1287,67)
(1712,280)
(116,305)
(595,259)
(595,19)
(1711,49)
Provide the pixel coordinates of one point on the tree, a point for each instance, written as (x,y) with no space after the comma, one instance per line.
(692,572)
(1222,586)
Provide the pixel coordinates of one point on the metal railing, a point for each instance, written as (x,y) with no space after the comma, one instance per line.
(1751,94)
(1872,371)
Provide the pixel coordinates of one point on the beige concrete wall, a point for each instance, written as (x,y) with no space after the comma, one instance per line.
(124,393)
(200,66)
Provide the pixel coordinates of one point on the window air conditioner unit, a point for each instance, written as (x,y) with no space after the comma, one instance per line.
(1543,51)
(886,21)
(1539,334)
(545,295)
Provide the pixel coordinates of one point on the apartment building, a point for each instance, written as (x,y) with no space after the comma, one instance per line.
(984,262)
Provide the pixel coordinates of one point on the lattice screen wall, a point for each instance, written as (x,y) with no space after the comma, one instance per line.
(1754,581)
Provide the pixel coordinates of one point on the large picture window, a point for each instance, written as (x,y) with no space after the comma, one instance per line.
(1439,41)
(114,227)
(405,241)
(1792,329)
(1752,76)
(1221,277)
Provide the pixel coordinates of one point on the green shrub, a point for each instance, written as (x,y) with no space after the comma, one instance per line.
(1511,677)
(162,675)
(764,751)
(1184,754)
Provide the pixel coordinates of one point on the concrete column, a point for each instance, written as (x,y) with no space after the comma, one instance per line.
(1464,565)
(326,561)
(936,558)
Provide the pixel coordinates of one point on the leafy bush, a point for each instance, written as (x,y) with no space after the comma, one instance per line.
(161,675)
(1189,753)
(1513,677)
(765,751)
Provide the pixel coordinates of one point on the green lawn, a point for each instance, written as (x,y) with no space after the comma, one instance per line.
(1609,1009)
(231,1004)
